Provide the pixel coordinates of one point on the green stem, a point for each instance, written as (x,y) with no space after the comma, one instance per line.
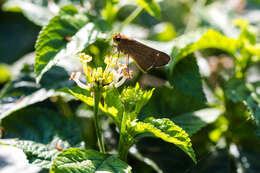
(122,147)
(131,17)
(97,96)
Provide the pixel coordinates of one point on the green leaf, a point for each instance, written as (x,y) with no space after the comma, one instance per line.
(37,153)
(23,101)
(238,90)
(23,91)
(112,105)
(90,161)
(192,122)
(167,131)
(110,11)
(186,78)
(39,132)
(65,35)
(151,7)
(132,99)
(81,94)
(184,45)
(36,13)
(164,32)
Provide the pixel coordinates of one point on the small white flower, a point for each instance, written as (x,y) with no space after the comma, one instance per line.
(76,76)
(114,75)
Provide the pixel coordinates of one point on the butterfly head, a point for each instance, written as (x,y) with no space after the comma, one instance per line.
(117,38)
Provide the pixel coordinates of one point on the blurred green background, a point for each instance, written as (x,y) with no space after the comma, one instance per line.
(18,36)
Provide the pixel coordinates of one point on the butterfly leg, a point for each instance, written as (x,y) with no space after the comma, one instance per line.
(127,62)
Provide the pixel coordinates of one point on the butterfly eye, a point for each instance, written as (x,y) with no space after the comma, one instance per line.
(118,38)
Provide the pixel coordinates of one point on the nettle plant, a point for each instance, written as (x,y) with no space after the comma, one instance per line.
(76,39)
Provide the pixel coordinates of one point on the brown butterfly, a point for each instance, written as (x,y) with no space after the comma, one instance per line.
(144,56)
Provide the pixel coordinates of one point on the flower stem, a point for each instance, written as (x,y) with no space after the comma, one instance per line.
(122,147)
(131,17)
(97,96)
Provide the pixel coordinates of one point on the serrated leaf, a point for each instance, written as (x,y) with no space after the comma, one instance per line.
(167,131)
(238,90)
(40,131)
(151,7)
(37,153)
(90,161)
(65,35)
(186,78)
(36,13)
(192,122)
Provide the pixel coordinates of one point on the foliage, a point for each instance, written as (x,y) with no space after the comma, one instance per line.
(80,160)
(205,102)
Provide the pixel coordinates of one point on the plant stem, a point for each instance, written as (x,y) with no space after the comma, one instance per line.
(122,147)
(97,96)
(131,17)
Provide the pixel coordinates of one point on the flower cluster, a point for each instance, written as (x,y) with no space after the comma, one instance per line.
(114,75)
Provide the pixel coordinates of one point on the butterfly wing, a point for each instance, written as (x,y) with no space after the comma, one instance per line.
(161,59)
(139,52)
(145,57)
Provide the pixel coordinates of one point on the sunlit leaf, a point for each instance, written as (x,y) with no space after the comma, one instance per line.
(111,105)
(167,131)
(79,160)
(164,31)
(81,94)
(151,7)
(110,11)
(65,35)
(37,13)
(186,45)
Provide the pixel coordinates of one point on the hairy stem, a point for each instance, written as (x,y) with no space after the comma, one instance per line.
(97,96)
